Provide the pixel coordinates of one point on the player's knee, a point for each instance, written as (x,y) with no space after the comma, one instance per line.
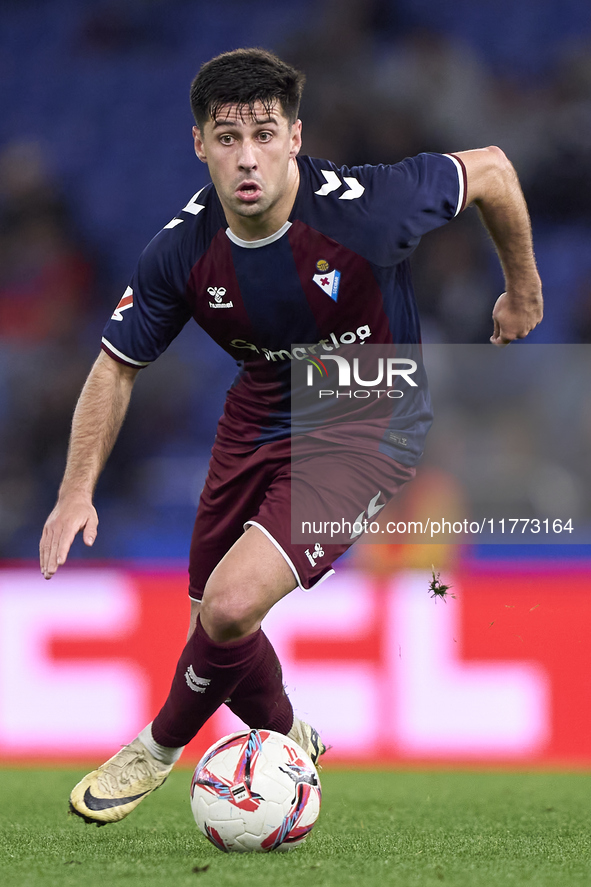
(228,618)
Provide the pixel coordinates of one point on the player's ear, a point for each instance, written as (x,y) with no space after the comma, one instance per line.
(296,138)
(198,144)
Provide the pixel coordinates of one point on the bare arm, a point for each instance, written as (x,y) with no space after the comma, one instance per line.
(97,421)
(493,186)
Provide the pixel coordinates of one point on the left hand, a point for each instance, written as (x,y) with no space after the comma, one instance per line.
(514,318)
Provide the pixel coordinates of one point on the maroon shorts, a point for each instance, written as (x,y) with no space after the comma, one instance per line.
(265,489)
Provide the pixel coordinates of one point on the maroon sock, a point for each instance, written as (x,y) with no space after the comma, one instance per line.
(260,699)
(206,674)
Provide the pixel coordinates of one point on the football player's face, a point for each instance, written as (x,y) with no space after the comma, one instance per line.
(251,159)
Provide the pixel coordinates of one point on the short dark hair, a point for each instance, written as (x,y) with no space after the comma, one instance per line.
(243,77)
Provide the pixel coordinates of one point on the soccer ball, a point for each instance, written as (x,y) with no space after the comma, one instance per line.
(255,791)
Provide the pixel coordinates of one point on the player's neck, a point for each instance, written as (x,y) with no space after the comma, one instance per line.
(266,224)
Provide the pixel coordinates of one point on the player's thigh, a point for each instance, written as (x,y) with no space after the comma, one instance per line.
(247,582)
(236,485)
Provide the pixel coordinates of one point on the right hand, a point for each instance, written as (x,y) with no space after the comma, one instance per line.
(71,514)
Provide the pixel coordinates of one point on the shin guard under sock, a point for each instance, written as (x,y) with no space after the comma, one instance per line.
(206,674)
(260,699)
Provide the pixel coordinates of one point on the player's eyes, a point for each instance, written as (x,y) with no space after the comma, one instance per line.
(228,139)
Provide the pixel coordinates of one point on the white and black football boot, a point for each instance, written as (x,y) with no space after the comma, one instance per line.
(110,793)
(308,738)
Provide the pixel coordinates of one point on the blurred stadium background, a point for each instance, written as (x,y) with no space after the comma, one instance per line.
(95,157)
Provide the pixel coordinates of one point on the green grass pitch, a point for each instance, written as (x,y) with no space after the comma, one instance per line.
(474,829)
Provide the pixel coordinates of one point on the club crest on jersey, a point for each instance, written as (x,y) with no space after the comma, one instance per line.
(125,302)
(217,293)
(329,282)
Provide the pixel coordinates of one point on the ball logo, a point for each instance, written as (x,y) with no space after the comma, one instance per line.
(322,265)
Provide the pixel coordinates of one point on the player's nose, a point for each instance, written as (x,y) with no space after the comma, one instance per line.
(247,158)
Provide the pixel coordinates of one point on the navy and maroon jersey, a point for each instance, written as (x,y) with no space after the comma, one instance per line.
(336,273)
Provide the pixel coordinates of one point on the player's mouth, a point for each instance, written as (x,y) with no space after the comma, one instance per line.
(248,191)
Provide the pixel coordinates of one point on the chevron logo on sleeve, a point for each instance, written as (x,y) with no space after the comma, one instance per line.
(125,302)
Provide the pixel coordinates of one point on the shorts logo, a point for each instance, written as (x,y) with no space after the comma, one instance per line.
(372,510)
(125,302)
(314,555)
(217,293)
(329,282)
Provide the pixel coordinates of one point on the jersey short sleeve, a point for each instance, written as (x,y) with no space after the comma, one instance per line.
(154,307)
(383,211)
(412,198)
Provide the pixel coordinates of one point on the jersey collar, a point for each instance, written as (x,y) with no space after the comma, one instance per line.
(255,244)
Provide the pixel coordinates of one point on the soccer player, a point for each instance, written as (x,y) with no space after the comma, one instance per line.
(278,249)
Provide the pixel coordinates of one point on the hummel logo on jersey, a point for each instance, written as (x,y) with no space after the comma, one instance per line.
(314,555)
(217,293)
(125,302)
(333,183)
(199,685)
(329,282)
